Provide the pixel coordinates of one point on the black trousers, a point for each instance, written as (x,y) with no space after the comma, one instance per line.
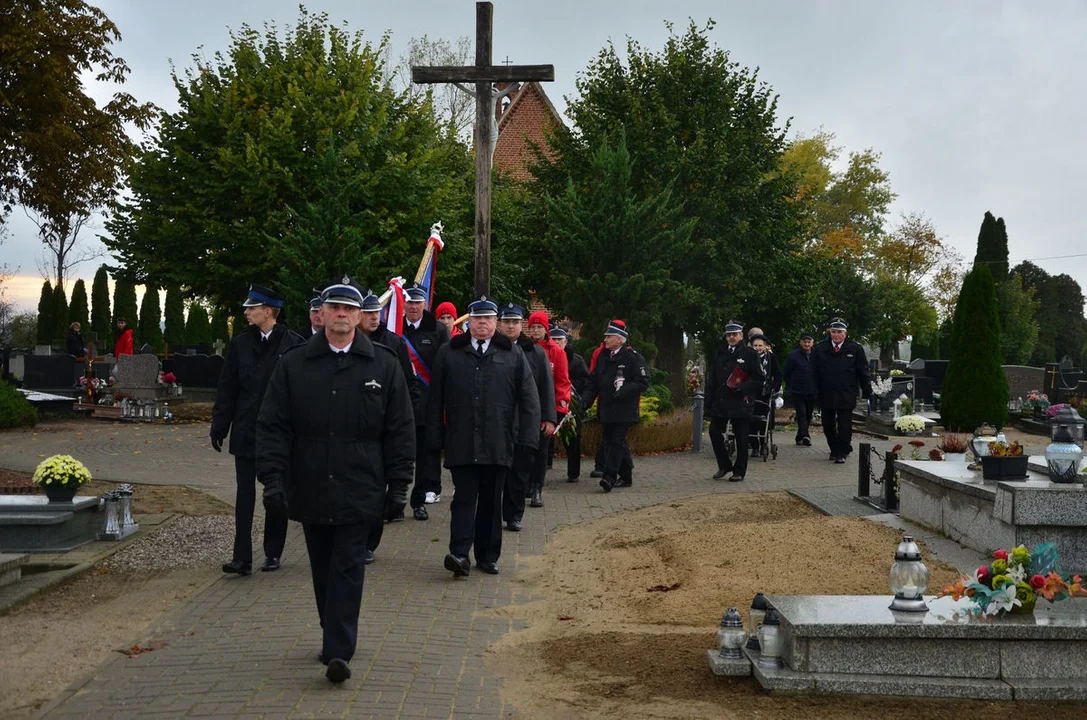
(275,524)
(476,511)
(740,427)
(516,483)
(428,470)
(838,427)
(336,563)
(374,531)
(573,454)
(617,461)
(804,406)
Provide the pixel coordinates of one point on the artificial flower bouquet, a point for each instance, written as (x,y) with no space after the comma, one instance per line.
(910,423)
(881,387)
(167,378)
(61,471)
(998,448)
(897,373)
(1012,583)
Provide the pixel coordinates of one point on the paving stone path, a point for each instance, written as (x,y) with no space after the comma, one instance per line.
(248,646)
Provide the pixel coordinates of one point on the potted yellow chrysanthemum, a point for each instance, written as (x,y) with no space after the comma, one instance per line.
(61,476)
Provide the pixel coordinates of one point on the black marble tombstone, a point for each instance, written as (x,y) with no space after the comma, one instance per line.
(49,372)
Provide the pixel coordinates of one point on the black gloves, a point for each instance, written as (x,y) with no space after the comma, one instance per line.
(275,495)
(396,499)
(217,443)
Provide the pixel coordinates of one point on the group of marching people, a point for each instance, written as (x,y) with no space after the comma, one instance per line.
(338,419)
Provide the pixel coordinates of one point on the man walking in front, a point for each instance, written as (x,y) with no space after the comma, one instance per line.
(483,401)
(734,381)
(336,442)
(839,373)
(248,367)
(618,380)
(800,387)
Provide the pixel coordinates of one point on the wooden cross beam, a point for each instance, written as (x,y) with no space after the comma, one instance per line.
(484,75)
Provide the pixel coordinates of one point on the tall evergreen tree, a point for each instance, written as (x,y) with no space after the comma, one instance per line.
(220,325)
(975,390)
(993,247)
(149,331)
(100,314)
(197,326)
(124,305)
(45,314)
(175,318)
(78,310)
(60,313)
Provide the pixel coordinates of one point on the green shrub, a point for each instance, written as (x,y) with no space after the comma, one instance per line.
(663,395)
(648,409)
(15,410)
(657,377)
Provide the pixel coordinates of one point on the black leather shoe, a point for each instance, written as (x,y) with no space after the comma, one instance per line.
(596,474)
(337,671)
(459,566)
(736,478)
(621,483)
(537,500)
(490,568)
(368,557)
(839,461)
(721,473)
(270,565)
(514,525)
(573,479)
(606,484)
(420,513)
(238,567)
(806,441)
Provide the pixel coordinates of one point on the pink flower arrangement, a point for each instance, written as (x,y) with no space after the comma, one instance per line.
(1052,410)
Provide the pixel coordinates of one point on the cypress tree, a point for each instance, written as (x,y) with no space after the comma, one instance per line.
(78,310)
(149,331)
(124,306)
(100,314)
(975,390)
(993,247)
(198,327)
(60,313)
(175,318)
(45,314)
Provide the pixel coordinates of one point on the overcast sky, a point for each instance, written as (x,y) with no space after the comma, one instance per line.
(974,105)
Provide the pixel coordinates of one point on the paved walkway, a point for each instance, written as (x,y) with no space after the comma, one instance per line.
(248,646)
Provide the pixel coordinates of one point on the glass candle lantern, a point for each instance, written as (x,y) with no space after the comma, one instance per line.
(1070,420)
(731,635)
(1063,455)
(770,640)
(754,619)
(908,578)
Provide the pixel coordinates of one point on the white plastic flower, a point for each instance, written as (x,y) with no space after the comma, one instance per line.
(1003,599)
(1017,573)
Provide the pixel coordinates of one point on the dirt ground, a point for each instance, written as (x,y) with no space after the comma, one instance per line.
(621,611)
(62,634)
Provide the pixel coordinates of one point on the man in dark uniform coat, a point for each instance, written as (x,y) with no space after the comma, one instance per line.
(618,380)
(483,402)
(527,461)
(799,386)
(336,443)
(370,324)
(250,359)
(734,380)
(424,335)
(839,372)
(579,375)
(315,322)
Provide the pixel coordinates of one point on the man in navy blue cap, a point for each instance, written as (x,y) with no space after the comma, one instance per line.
(247,368)
(483,402)
(839,373)
(336,444)
(315,322)
(734,380)
(423,335)
(799,386)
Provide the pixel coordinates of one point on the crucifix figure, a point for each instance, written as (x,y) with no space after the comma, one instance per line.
(484,75)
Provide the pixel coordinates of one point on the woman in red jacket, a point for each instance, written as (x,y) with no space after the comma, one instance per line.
(123,346)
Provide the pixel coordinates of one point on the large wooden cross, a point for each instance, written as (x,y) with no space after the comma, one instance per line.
(484,75)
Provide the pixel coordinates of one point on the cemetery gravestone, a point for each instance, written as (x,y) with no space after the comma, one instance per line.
(1022,379)
(48,372)
(1064,383)
(138,375)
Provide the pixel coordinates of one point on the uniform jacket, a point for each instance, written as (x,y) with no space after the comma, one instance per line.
(123,346)
(579,371)
(394,342)
(336,429)
(617,406)
(305,333)
(480,407)
(797,372)
(430,336)
(541,373)
(560,373)
(840,376)
(247,369)
(721,400)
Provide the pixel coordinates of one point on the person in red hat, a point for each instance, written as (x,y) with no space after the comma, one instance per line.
(538,328)
(447,315)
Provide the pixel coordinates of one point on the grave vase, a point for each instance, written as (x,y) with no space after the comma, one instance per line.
(60,494)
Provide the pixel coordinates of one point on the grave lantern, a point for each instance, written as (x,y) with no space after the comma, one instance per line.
(979,444)
(1063,455)
(770,640)
(124,497)
(1068,416)
(731,635)
(112,530)
(754,619)
(908,578)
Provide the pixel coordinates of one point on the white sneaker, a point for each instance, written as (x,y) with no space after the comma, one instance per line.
(432,497)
